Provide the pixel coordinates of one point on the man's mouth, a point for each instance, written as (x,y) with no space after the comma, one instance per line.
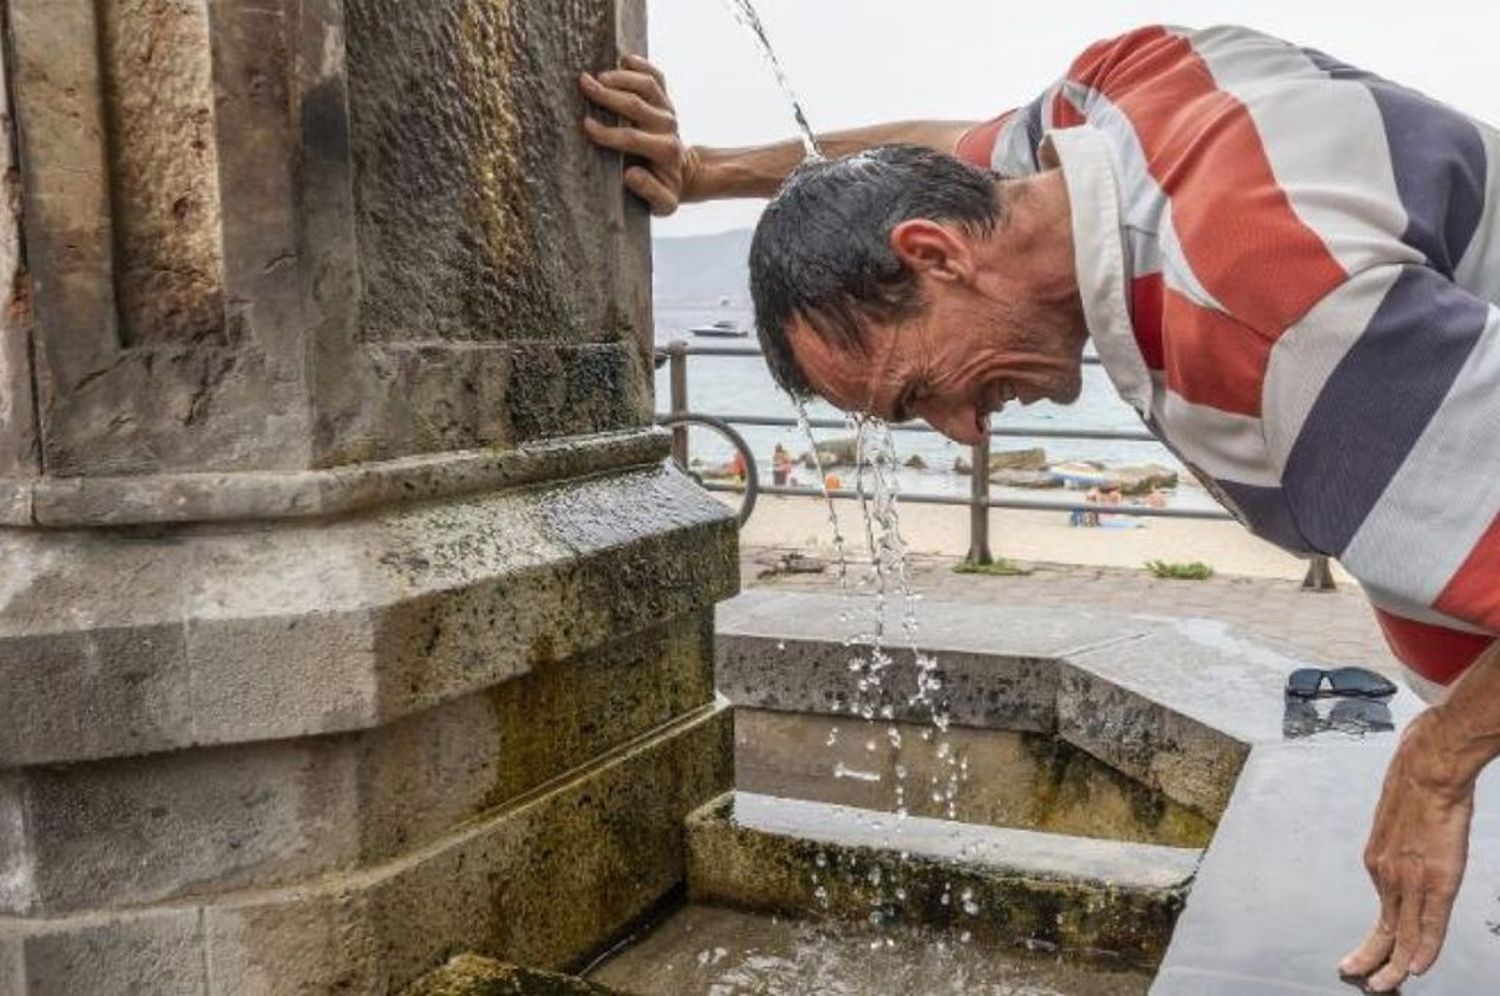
(1003,395)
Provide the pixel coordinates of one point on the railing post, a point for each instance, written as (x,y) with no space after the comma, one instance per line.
(1319,576)
(677,372)
(979,504)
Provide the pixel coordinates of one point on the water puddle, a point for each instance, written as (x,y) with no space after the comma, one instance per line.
(704,951)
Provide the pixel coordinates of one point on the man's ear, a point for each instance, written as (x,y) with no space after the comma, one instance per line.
(932,249)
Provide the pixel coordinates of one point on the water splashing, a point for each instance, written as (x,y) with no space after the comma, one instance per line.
(744,11)
(875,458)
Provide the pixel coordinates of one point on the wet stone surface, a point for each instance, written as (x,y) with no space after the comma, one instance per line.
(1282,894)
(1023,780)
(471,975)
(1004,886)
(704,950)
(478,201)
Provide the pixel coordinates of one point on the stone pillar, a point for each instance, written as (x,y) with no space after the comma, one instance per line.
(350,615)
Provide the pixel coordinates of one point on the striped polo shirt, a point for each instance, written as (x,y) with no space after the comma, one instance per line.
(1290,268)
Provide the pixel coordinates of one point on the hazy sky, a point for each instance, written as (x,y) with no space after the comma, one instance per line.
(861,61)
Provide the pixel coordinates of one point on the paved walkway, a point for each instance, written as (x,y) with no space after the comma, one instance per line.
(1333,627)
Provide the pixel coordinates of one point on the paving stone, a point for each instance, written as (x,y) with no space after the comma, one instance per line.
(941,624)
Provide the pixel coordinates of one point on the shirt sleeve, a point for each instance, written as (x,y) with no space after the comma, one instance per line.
(1382,408)
(1008,142)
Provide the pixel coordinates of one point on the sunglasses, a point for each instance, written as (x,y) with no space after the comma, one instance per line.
(1339,682)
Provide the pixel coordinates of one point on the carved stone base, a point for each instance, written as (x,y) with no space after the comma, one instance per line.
(289,757)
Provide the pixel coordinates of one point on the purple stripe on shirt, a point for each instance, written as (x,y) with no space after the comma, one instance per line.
(1034,128)
(1439,160)
(1266,512)
(1376,403)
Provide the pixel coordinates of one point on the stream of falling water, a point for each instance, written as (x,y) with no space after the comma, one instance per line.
(877,487)
(744,11)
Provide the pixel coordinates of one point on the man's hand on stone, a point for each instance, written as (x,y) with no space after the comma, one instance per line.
(1416,855)
(637,93)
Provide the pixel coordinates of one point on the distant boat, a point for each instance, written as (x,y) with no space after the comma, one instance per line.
(724,328)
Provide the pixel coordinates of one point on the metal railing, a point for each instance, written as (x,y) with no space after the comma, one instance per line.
(979,500)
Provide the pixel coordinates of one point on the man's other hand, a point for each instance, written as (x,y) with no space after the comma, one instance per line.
(1416,855)
(637,93)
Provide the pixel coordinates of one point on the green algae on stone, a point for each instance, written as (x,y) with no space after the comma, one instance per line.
(734,865)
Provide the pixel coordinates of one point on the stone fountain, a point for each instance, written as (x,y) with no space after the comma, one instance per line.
(349,615)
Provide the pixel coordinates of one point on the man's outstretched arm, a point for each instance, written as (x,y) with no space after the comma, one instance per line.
(670,172)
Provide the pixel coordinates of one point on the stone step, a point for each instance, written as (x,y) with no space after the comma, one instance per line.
(1049,891)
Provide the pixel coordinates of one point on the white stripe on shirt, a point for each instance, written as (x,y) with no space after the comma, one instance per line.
(1449,483)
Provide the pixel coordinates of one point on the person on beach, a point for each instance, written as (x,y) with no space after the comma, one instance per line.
(1288,266)
(781,466)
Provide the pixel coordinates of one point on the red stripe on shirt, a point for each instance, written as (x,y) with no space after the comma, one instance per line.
(1145,317)
(1435,652)
(1236,226)
(977,145)
(1064,114)
(1473,593)
(1211,359)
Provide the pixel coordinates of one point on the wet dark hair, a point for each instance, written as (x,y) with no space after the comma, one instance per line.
(822,249)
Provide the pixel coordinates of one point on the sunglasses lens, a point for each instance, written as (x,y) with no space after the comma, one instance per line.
(1359,682)
(1303,683)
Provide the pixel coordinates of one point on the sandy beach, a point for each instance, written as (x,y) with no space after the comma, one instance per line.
(1043,537)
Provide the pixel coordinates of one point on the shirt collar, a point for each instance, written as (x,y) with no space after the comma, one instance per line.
(1100,258)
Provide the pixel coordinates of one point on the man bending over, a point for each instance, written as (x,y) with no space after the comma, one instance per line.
(1287,266)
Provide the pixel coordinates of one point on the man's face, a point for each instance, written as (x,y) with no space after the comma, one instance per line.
(967,356)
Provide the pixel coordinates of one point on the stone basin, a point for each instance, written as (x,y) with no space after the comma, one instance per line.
(1006,778)
(1143,813)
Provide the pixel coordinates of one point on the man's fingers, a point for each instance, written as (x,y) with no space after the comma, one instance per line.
(663,149)
(1374,951)
(1437,909)
(643,65)
(645,185)
(642,85)
(1408,931)
(629,106)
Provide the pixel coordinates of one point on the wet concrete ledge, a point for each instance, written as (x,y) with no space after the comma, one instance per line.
(1093,679)
(1282,894)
